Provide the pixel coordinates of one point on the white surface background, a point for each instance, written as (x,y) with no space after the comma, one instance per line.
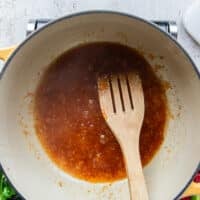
(14,15)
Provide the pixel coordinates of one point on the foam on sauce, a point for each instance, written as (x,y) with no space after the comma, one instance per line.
(68,119)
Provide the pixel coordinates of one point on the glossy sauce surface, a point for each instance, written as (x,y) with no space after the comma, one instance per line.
(68,119)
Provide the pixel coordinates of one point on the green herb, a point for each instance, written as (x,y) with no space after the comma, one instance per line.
(195,198)
(6,190)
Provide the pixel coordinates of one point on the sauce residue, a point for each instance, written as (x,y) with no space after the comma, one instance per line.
(68,119)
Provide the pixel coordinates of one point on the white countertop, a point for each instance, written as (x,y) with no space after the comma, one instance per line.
(14,15)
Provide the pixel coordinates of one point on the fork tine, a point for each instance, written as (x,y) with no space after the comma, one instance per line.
(105,98)
(136,91)
(128,104)
(116,93)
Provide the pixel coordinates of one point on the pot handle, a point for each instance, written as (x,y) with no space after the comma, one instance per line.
(192,189)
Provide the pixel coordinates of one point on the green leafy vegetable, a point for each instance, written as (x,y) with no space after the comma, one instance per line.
(6,190)
(195,198)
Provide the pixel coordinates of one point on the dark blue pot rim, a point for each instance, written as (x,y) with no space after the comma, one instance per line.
(103,12)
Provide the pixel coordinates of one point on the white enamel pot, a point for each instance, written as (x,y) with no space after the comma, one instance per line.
(24,161)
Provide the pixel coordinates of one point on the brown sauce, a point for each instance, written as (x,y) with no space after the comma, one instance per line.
(68,119)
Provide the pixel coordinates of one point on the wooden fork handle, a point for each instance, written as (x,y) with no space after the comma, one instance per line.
(137,185)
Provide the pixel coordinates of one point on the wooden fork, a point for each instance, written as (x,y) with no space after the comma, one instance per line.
(122,104)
